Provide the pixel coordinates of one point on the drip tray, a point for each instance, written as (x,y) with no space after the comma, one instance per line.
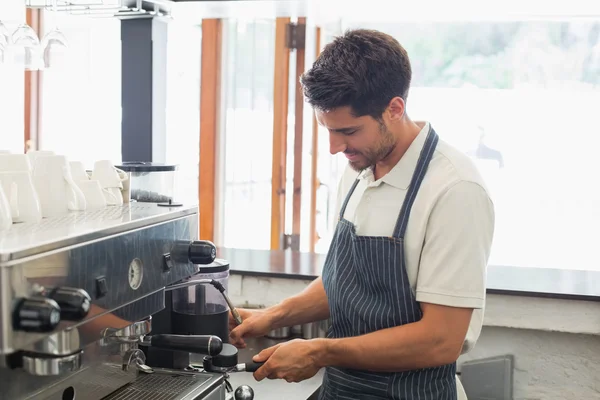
(168,385)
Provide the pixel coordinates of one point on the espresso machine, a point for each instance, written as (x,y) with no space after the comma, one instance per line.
(79,297)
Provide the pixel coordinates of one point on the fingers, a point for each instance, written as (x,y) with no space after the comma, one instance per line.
(266,370)
(236,336)
(265,354)
(262,373)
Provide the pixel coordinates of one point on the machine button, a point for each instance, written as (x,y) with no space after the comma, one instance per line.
(101,287)
(167,262)
(36,315)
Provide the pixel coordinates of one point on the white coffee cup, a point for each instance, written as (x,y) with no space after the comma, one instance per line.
(14,162)
(108,175)
(95,195)
(78,171)
(5,212)
(21,195)
(56,188)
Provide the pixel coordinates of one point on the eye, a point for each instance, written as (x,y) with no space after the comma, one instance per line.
(350,133)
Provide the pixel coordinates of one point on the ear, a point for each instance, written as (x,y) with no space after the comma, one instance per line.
(396,108)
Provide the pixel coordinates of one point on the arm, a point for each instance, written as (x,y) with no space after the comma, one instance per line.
(307,306)
(451,283)
(435,340)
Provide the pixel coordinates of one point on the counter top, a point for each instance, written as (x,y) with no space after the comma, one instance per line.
(507,280)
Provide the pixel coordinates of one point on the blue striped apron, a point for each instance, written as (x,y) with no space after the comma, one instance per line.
(368,289)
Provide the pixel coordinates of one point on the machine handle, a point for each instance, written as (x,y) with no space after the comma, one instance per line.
(36,315)
(202,252)
(201,344)
(252,366)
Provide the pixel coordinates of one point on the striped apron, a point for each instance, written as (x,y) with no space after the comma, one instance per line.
(368,289)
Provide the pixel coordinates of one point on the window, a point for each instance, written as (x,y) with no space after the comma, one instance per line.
(247,84)
(11,109)
(183,107)
(11,88)
(81,96)
(81,110)
(521,99)
(329,171)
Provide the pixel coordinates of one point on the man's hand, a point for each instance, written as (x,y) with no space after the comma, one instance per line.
(293,361)
(255,323)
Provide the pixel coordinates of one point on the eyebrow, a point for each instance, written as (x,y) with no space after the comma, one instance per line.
(347,129)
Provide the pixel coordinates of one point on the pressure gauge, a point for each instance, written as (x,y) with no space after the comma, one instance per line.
(136,273)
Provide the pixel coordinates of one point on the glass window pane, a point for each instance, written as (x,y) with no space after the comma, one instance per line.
(183,107)
(81,112)
(249,57)
(520,98)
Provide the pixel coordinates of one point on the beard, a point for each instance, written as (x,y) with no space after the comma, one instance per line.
(369,157)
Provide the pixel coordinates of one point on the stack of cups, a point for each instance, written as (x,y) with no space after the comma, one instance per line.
(111,180)
(19,201)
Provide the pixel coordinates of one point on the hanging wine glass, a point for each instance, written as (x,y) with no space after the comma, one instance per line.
(4,32)
(54,41)
(26,44)
(3,47)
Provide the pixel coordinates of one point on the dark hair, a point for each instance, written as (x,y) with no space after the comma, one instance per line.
(363,69)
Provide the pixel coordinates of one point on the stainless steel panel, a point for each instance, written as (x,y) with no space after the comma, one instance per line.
(123,247)
(170,385)
(111,258)
(28,239)
(219,393)
(100,374)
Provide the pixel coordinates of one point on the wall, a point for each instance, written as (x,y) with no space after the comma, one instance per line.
(548,365)
(11,86)
(555,343)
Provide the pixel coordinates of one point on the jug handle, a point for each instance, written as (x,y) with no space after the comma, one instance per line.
(122,174)
(79,203)
(14,200)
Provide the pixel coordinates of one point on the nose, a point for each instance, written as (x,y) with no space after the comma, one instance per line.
(336,143)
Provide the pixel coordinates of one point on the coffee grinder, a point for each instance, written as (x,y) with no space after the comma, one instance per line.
(197,305)
(202,309)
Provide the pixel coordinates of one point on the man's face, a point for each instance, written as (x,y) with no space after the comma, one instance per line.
(363,140)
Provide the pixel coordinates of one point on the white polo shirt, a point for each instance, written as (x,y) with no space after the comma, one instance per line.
(450,228)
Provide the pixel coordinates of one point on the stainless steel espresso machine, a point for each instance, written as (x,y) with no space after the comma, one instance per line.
(77,298)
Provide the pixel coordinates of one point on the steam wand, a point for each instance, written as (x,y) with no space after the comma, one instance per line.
(236,315)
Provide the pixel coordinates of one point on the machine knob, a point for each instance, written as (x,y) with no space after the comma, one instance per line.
(244,392)
(74,303)
(36,315)
(202,252)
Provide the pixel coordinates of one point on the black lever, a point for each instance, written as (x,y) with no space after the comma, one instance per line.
(202,252)
(251,366)
(200,344)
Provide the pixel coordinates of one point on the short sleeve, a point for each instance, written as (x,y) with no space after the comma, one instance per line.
(458,241)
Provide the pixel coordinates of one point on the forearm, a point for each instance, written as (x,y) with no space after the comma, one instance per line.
(307,306)
(402,348)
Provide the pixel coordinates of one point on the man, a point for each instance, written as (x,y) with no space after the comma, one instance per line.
(404,280)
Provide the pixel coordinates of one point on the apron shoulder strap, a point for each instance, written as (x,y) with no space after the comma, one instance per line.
(415,183)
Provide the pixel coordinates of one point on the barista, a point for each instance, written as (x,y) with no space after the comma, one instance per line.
(404,280)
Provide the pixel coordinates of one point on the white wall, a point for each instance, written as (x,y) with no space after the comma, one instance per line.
(555,343)
(548,365)
(11,86)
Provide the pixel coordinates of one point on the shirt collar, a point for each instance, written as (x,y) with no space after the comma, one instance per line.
(401,174)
